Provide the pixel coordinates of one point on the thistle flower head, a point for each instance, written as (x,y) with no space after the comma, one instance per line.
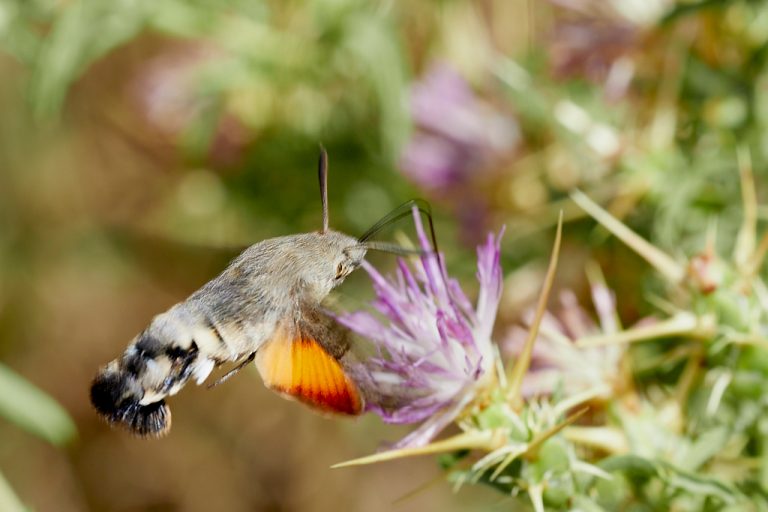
(434,347)
(559,361)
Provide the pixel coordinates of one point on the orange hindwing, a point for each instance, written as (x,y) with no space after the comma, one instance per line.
(303,369)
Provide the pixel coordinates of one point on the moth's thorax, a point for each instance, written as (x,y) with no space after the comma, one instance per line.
(306,266)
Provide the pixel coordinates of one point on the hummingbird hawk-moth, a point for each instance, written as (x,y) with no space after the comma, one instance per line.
(264,307)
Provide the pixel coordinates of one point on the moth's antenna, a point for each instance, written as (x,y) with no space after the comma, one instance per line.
(398,213)
(322,174)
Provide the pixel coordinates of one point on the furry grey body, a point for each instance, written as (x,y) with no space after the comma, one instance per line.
(275,283)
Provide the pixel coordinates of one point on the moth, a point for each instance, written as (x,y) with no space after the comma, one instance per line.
(265,307)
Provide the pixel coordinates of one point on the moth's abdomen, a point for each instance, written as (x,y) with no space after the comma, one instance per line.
(186,342)
(129,392)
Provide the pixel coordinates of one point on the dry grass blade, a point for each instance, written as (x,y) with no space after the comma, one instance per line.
(745,240)
(523,360)
(681,324)
(756,261)
(608,439)
(660,260)
(476,439)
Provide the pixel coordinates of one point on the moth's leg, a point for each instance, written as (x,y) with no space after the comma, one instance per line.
(233,371)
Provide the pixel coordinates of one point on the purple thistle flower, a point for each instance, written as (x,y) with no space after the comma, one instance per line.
(434,349)
(460,144)
(458,134)
(557,360)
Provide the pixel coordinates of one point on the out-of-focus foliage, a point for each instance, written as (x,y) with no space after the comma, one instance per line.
(33,410)
(8,500)
(262,63)
(144,142)
(652,108)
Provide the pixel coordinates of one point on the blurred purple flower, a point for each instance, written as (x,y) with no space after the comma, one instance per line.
(171,99)
(596,39)
(457,134)
(558,361)
(434,349)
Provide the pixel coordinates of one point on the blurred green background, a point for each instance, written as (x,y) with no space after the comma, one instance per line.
(143,143)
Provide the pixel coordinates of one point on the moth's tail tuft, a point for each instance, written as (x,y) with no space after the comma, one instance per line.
(116,395)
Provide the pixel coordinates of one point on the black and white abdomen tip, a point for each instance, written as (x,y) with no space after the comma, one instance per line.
(116,396)
(129,392)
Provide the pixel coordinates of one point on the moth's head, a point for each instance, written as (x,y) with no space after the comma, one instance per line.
(331,256)
(328,258)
